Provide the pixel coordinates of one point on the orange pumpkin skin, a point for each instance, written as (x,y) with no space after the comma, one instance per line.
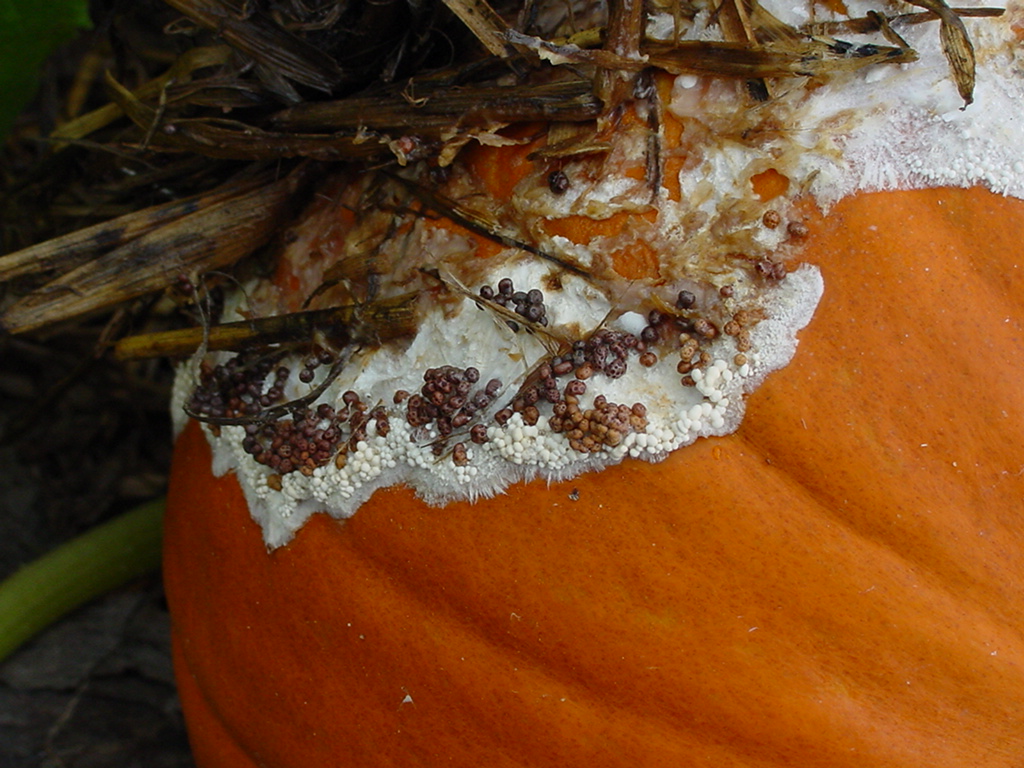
(839,583)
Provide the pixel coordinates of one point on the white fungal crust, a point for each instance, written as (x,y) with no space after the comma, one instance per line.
(674,415)
(576,363)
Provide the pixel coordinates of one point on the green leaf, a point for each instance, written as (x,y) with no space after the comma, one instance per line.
(29,31)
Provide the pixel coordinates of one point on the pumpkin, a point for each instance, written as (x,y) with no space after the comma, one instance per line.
(839,582)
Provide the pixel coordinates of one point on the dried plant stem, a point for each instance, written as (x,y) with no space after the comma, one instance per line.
(484,22)
(94,563)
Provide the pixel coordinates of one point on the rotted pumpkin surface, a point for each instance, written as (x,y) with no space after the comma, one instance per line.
(839,583)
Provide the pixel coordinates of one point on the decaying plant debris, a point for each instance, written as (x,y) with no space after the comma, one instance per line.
(233,112)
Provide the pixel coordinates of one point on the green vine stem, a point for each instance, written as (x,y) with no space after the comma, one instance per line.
(99,560)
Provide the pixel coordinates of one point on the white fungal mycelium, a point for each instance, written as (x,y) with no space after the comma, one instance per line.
(609,365)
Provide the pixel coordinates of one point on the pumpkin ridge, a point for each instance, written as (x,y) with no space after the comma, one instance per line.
(935,568)
(213,742)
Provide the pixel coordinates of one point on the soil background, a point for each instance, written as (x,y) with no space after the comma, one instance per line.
(80,441)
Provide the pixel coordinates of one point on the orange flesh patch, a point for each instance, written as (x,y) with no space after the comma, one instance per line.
(769,184)
(636,261)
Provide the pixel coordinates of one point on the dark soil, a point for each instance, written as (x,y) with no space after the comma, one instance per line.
(79,443)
